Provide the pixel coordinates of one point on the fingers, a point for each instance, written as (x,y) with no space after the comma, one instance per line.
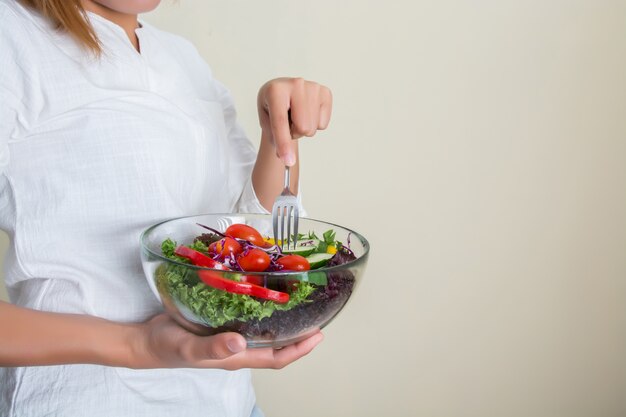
(291,108)
(164,344)
(263,358)
(326,108)
(289,354)
(268,358)
(221,346)
(311,108)
(277,104)
(305,108)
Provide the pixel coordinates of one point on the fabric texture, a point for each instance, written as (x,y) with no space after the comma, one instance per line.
(92,152)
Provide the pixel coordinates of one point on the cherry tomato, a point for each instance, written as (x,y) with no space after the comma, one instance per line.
(245,232)
(228,245)
(213,248)
(294,263)
(254,260)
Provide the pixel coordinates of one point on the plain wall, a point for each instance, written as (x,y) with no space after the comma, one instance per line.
(481,148)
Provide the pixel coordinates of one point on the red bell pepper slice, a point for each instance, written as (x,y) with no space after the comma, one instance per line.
(213,279)
(199,258)
(247,286)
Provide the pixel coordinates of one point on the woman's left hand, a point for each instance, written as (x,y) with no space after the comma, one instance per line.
(162,343)
(290,108)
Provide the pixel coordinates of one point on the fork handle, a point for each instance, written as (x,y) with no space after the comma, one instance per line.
(287,178)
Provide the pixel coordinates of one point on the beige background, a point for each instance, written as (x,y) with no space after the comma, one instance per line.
(481,147)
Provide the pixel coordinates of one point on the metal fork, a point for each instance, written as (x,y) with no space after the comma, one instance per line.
(285,210)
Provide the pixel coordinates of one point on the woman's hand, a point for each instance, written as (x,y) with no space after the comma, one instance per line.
(162,343)
(289,108)
(31,337)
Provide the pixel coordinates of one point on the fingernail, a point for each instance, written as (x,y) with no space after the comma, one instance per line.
(235,345)
(289,159)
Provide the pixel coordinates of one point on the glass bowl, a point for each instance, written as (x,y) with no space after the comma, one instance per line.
(316,296)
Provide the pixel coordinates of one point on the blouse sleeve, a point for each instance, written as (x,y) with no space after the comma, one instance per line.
(12,114)
(17,87)
(8,99)
(8,120)
(242,156)
(242,153)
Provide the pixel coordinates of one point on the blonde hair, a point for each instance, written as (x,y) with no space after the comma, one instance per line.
(69,16)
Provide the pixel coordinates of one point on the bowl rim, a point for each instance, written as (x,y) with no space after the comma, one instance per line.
(364,242)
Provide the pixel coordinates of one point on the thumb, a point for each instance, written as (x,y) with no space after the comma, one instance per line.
(219,346)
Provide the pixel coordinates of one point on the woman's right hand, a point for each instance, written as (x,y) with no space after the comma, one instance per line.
(162,343)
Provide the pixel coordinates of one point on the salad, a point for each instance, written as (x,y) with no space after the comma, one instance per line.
(253,286)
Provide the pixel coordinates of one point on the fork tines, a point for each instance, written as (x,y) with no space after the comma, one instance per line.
(285,219)
(285,216)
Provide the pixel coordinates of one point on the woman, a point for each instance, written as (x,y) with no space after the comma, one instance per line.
(108,125)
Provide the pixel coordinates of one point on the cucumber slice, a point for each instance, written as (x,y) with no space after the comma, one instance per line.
(304,248)
(318,260)
(317,278)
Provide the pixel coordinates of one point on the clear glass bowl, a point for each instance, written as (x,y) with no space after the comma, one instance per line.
(205,310)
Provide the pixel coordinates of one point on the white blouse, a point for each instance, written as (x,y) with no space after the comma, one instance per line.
(93,151)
